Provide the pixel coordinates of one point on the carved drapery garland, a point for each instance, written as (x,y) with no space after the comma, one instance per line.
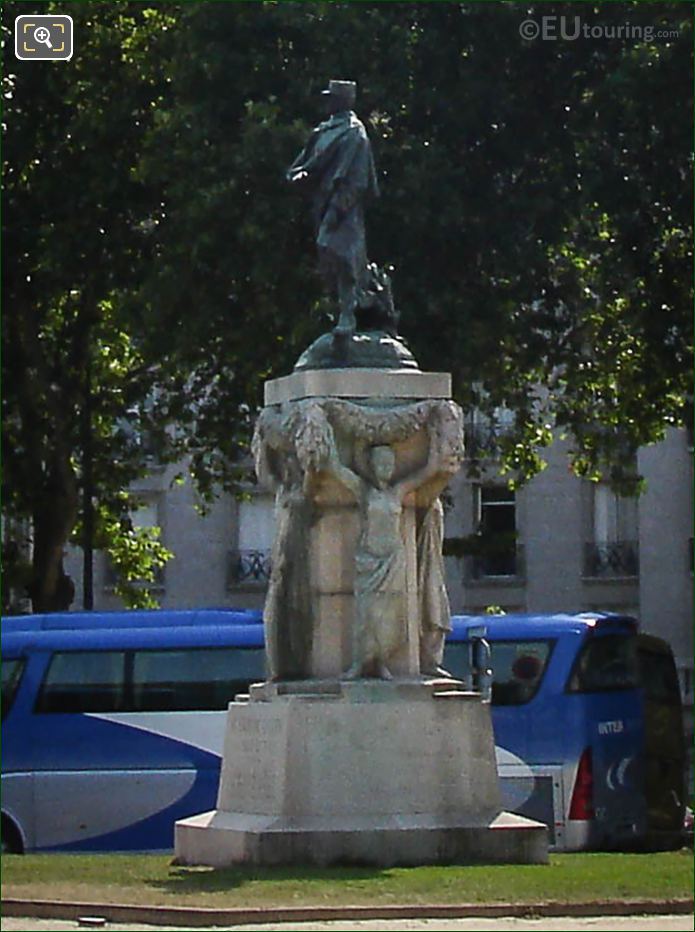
(307,428)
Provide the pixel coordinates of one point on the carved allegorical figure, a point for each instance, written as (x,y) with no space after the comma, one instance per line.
(433,601)
(380,560)
(287,614)
(380,566)
(294,447)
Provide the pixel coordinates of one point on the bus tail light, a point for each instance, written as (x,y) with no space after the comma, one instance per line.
(582,805)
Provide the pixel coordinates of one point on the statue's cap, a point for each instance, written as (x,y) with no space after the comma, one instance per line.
(344,90)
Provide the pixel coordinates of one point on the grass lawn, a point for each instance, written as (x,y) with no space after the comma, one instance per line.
(151,879)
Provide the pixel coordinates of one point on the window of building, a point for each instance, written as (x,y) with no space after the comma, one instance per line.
(256,522)
(249,564)
(484,430)
(613,548)
(615,516)
(496,522)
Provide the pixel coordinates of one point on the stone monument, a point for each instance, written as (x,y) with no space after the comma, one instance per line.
(358,747)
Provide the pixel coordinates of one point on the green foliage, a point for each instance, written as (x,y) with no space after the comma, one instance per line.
(536,208)
(136,554)
(73,375)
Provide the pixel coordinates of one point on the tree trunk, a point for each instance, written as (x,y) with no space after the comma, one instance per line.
(55,514)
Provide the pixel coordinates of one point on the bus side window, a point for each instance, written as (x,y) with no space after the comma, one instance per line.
(11,676)
(83,681)
(203,679)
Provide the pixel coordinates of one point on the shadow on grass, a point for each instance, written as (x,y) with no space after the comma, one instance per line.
(190,880)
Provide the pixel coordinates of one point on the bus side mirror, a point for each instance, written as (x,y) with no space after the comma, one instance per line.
(479,663)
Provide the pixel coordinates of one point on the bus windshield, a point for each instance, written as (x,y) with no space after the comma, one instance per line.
(518,668)
(604,664)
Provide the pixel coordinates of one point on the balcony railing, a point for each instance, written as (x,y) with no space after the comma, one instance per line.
(611,559)
(249,568)
(483,438)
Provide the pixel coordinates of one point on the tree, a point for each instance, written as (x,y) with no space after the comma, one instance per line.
(73,219)
(535,207)
(609,333)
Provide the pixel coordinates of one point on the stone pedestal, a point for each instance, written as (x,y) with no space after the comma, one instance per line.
(365,772)
(310,610)
(353,753)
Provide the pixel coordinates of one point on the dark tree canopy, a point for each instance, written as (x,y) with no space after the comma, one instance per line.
(536,202)
(73,372)
(535,206)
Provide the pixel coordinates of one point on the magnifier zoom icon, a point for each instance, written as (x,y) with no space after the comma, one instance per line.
(43,35)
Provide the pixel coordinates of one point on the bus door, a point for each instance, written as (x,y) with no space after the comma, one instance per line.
(18,824)
(525,726)
(607,792)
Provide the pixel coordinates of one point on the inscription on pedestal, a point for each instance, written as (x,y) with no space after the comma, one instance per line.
(247,784)
(341,759)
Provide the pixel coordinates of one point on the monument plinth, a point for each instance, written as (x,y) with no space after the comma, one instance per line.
(371,773)
(359,747)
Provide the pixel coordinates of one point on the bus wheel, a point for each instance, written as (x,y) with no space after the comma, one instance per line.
(10,839)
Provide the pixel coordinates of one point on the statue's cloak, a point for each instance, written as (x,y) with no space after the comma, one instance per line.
(340,168)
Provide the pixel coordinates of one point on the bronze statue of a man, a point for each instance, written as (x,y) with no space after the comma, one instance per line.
(337,168)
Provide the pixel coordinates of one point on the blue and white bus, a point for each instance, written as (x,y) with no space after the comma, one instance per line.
(588,726)
(113,723)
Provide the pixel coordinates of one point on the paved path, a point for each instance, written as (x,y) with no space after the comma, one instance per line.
(556,924)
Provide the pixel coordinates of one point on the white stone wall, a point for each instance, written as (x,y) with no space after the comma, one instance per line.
(553,535)
(665,535)
(197,576)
